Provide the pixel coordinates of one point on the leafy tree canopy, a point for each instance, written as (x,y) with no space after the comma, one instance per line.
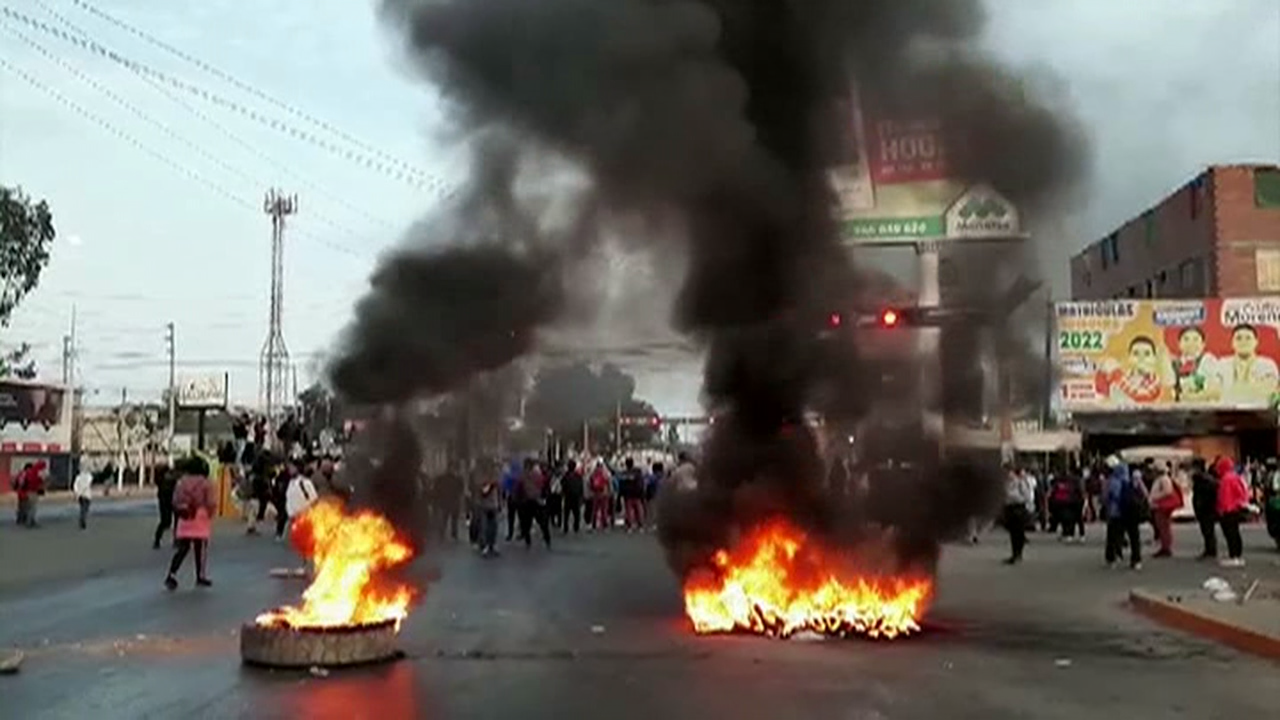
(15,363)
(26,234)
(566,397)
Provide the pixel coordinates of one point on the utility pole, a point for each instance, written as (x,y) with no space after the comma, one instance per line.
(66,359)
(121,457)
(170,342)
(273,367)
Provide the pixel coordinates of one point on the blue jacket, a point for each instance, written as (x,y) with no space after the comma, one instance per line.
(1115,489)
(510,477)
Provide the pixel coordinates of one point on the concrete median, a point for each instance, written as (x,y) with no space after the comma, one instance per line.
(1251,626)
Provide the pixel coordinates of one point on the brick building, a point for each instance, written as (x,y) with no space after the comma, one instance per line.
(1216,236)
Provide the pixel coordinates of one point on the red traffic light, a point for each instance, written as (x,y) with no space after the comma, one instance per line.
(889,318)
(835,320)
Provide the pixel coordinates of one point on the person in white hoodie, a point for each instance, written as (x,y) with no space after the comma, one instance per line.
(82,489)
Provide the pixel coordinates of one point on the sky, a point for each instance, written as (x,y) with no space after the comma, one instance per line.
(156,177)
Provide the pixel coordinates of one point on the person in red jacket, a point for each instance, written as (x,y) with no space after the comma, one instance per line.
(1233,505)
(30,486)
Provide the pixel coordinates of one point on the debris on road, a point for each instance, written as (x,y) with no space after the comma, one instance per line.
(11,662)
(597,629)
(1062,662)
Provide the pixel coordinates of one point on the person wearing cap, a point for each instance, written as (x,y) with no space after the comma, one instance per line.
(1127,508)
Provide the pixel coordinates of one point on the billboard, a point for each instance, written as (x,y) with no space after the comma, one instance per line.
(35,417)
(894,187)
(204,391)
(1127,355)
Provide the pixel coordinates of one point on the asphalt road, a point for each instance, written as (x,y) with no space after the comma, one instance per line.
(513,638)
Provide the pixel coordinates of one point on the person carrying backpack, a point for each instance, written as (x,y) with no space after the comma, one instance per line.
(1127,508)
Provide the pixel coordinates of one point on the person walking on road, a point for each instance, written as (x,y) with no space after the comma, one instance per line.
(1018,504)
(166,480)
(1204,501)
(82,489)
(194,503)
(1127,507)
(1166,498)
(1233,506)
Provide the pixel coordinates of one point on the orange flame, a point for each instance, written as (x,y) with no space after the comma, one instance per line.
(352,553)
(776,582)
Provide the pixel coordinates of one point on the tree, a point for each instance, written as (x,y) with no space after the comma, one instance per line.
(16,364)
(26,233)
(319,409)
(566,397)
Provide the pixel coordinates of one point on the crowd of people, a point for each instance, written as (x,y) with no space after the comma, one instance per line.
(531,493)
(1222,496)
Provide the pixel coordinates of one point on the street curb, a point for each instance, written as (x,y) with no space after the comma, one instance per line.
(1179,617)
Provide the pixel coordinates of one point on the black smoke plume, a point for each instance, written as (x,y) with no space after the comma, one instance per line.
(718,113)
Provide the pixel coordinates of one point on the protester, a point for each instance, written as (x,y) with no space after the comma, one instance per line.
(652,484)
(30,487)
(631,488)
(555,496)
(572,488)
(447,492)
(1018,503)
(260,475)
(280,495)
(510,480)
(600,486)
(531,504)
(166,480)
(685,477)
(1271,501)
(1204,501)
(1166,498)
(300,494)
(1233,507)
(1127,508)
(1066,505)
(194,503)
(488,501)
(82,489)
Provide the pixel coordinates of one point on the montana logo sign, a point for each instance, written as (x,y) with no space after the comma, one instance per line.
(981,212)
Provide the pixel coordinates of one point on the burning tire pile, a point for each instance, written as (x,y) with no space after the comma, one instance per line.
(282,646)
(352,610)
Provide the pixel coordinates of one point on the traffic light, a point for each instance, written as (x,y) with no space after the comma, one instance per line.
(835,320)
(889,318)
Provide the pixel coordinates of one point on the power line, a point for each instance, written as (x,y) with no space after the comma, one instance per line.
(246,87)
(138,145)
(421,182)
(249,147)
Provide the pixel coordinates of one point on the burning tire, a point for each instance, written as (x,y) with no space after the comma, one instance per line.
(283,646)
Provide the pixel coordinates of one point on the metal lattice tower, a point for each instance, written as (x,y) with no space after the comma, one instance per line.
(273,365)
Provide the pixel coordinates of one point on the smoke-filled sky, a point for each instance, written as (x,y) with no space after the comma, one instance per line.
(1163,88)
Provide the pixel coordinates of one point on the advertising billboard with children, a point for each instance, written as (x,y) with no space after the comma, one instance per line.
(1126,355)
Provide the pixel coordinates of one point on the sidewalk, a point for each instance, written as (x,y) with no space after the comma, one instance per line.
(1252,626)
(10,499)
